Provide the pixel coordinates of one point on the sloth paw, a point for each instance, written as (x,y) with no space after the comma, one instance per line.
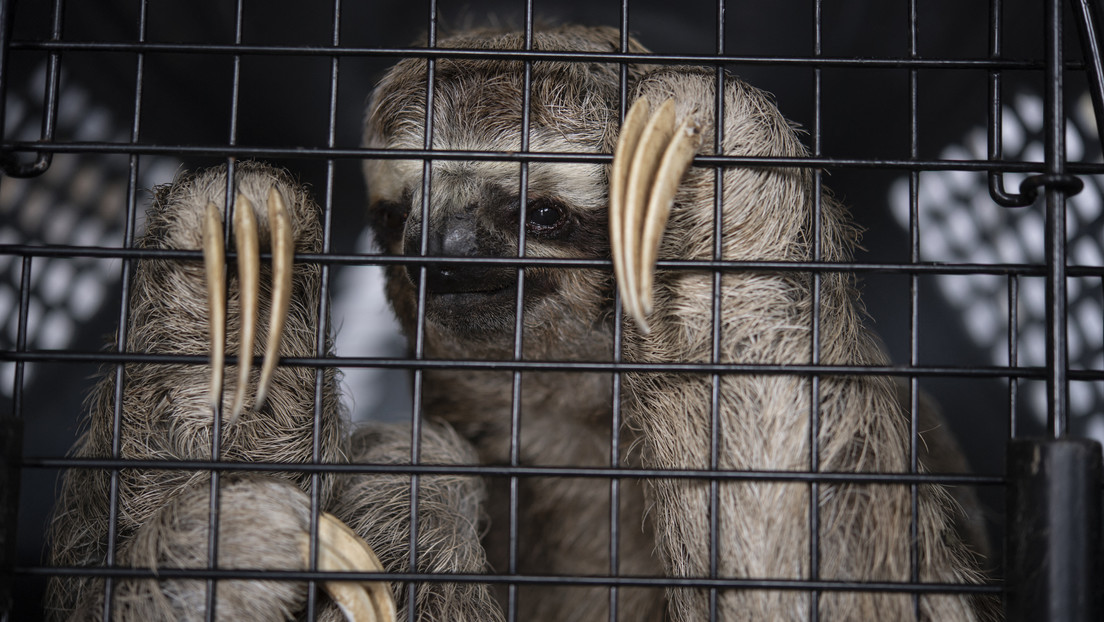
(264,525)
(246,241)
(651,156)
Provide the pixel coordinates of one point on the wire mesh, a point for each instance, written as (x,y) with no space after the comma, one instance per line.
(922,119)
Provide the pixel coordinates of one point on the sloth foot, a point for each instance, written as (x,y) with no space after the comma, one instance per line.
(651,156)
(339,548)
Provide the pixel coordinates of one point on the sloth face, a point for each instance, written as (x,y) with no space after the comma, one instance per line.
(457,212)
(473,216)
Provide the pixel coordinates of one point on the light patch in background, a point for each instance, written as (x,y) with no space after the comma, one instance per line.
(960,223)
(81,201)
(365,326)
(78,201)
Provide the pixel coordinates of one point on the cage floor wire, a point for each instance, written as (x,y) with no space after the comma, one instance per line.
(964,140)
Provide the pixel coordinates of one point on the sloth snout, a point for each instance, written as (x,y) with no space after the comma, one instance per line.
(456,235)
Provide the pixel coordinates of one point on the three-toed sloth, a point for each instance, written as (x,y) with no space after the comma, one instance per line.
(453,211)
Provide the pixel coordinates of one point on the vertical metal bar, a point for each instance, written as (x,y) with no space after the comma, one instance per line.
(322,330)
(1057,357)
(717,325)
(11,450)
(519,324)
(1013,349)
(123,319)
(419,331)
(1054,490)
(214,507)
(618,327)
(914,306)
(11,455)
(11,424)
(7,25)
(814,381)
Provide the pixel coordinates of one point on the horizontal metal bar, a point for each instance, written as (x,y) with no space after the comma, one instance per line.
(330,51)
(522,579)
(115,358)
(492,470)
(363,259)
(222,150)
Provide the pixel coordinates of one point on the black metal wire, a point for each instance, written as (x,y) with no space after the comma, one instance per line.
(914,309)
(716,326)
(521,579)
(530,55)
(322,331)
(815,320)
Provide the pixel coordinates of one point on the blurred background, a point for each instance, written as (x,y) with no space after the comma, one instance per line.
(179,106)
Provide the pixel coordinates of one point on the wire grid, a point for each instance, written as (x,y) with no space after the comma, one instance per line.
(33,156)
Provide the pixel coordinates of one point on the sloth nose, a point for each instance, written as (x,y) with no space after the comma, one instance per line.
(455,236)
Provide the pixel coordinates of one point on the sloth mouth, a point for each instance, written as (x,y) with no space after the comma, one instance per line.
(479,311)
(488,307)
(474,296)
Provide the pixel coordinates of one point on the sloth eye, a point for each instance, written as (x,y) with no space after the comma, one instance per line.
(388,219)
(544,216)
(391,214)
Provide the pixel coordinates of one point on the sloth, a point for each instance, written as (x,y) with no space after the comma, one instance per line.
(678,530)
(454,211)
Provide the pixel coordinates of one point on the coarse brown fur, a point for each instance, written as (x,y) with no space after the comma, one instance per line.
(163,514)
(763,420)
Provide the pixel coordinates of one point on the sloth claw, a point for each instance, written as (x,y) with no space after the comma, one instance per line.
(249,268)
(283,248)
(213,256)
(340,549)
(248,250)
(651,156)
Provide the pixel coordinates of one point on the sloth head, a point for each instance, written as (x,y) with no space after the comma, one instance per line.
(471,208)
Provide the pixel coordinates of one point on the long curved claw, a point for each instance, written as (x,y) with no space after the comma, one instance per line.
(249,268)
(648,166)
(214,257)
(676,159)
(341,549)
(283,248)
(249,260)
(627,141)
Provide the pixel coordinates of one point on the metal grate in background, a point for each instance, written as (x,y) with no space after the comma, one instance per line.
(903,103)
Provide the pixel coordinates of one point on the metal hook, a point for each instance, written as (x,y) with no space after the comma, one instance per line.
(9,163)
(1087,19)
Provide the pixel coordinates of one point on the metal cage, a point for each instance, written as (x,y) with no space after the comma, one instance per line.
(957,134)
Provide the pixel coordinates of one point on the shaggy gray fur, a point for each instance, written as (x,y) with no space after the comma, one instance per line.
(763,420)
(163,514)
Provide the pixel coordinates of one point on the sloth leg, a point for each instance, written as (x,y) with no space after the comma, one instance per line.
(760,529)
(449,517)
(179,307)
